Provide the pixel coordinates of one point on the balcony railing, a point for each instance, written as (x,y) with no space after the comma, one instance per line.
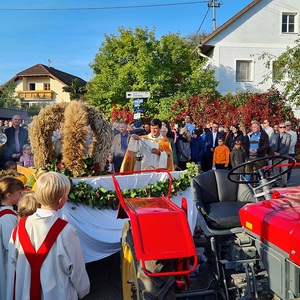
(36,95)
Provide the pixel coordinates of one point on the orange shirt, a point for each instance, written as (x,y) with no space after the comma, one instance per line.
(221,155)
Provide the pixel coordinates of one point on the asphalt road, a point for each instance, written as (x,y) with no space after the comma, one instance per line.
(105,278)
(105,274)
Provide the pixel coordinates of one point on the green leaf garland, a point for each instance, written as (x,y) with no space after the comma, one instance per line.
(100,198)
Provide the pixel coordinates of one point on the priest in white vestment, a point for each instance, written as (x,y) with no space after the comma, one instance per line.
(153,149)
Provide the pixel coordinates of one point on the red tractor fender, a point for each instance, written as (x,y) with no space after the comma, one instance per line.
(159,227)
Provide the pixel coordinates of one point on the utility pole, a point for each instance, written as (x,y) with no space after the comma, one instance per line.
(214,5)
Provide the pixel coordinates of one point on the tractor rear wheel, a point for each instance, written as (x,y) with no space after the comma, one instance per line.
(135,283)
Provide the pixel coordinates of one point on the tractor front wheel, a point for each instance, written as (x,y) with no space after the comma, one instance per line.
(135,283)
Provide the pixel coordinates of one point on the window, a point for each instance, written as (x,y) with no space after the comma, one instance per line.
(31,86)
(278,72)
(288,23)
(243,70)
(46,86)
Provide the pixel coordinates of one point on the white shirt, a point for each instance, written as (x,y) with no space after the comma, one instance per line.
(214,139)
(7,224)
(63,274)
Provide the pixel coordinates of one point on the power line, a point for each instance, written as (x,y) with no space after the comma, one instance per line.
(194,39)
(63,63)
(103,8)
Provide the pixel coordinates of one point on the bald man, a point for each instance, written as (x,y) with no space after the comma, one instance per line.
(17,137)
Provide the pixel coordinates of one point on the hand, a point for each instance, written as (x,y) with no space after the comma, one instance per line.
(136,137)
(212,149)
(155,151)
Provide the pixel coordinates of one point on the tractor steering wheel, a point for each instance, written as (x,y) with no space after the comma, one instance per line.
(263,173)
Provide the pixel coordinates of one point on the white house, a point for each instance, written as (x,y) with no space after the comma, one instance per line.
(235,48)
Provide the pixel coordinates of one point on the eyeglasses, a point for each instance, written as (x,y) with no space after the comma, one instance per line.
(281,126)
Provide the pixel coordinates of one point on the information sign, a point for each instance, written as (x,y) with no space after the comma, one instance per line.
(137,102)
(137,116)
(137,94)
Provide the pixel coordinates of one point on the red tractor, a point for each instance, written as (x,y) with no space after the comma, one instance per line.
(245,245)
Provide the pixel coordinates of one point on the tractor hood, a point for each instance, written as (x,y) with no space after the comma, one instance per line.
(275,221)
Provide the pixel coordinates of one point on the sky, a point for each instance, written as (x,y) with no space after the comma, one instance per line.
(67,34)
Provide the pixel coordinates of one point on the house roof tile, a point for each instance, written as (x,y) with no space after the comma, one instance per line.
(42,70)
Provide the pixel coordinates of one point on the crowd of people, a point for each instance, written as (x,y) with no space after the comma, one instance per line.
(159,145)
(37,230)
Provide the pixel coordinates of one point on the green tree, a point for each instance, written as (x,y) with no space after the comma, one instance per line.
(75,90)
(8,98)
(33,110)
(136,61)
(287,67)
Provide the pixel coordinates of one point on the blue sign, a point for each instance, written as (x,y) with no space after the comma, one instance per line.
(137,102)
(137,109)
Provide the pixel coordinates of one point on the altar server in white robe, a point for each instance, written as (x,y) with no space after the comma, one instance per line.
(45,255)
(154,149)
(11,190)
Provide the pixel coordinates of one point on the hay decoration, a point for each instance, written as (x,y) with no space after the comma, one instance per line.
(72,120)
(41,130)
(103,136)
(74,134)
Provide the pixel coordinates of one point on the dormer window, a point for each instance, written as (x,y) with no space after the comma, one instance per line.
(288,23)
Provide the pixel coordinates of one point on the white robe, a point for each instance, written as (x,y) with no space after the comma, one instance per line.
(63,274)
(7,223)
(144,147)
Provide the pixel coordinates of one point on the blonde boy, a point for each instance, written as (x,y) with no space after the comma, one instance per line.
(27,205)
(56,269)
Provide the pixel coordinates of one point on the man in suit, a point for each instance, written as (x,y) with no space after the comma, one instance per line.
(280,144)
(17,137)
(211,142)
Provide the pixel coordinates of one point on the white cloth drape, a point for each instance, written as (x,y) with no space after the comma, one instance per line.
(100,231)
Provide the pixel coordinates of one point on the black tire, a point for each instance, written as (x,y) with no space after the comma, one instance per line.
(135,283)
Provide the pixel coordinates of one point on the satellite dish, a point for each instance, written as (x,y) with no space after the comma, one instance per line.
(3,138)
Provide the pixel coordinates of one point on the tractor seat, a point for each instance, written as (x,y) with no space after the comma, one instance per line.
(219,200)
